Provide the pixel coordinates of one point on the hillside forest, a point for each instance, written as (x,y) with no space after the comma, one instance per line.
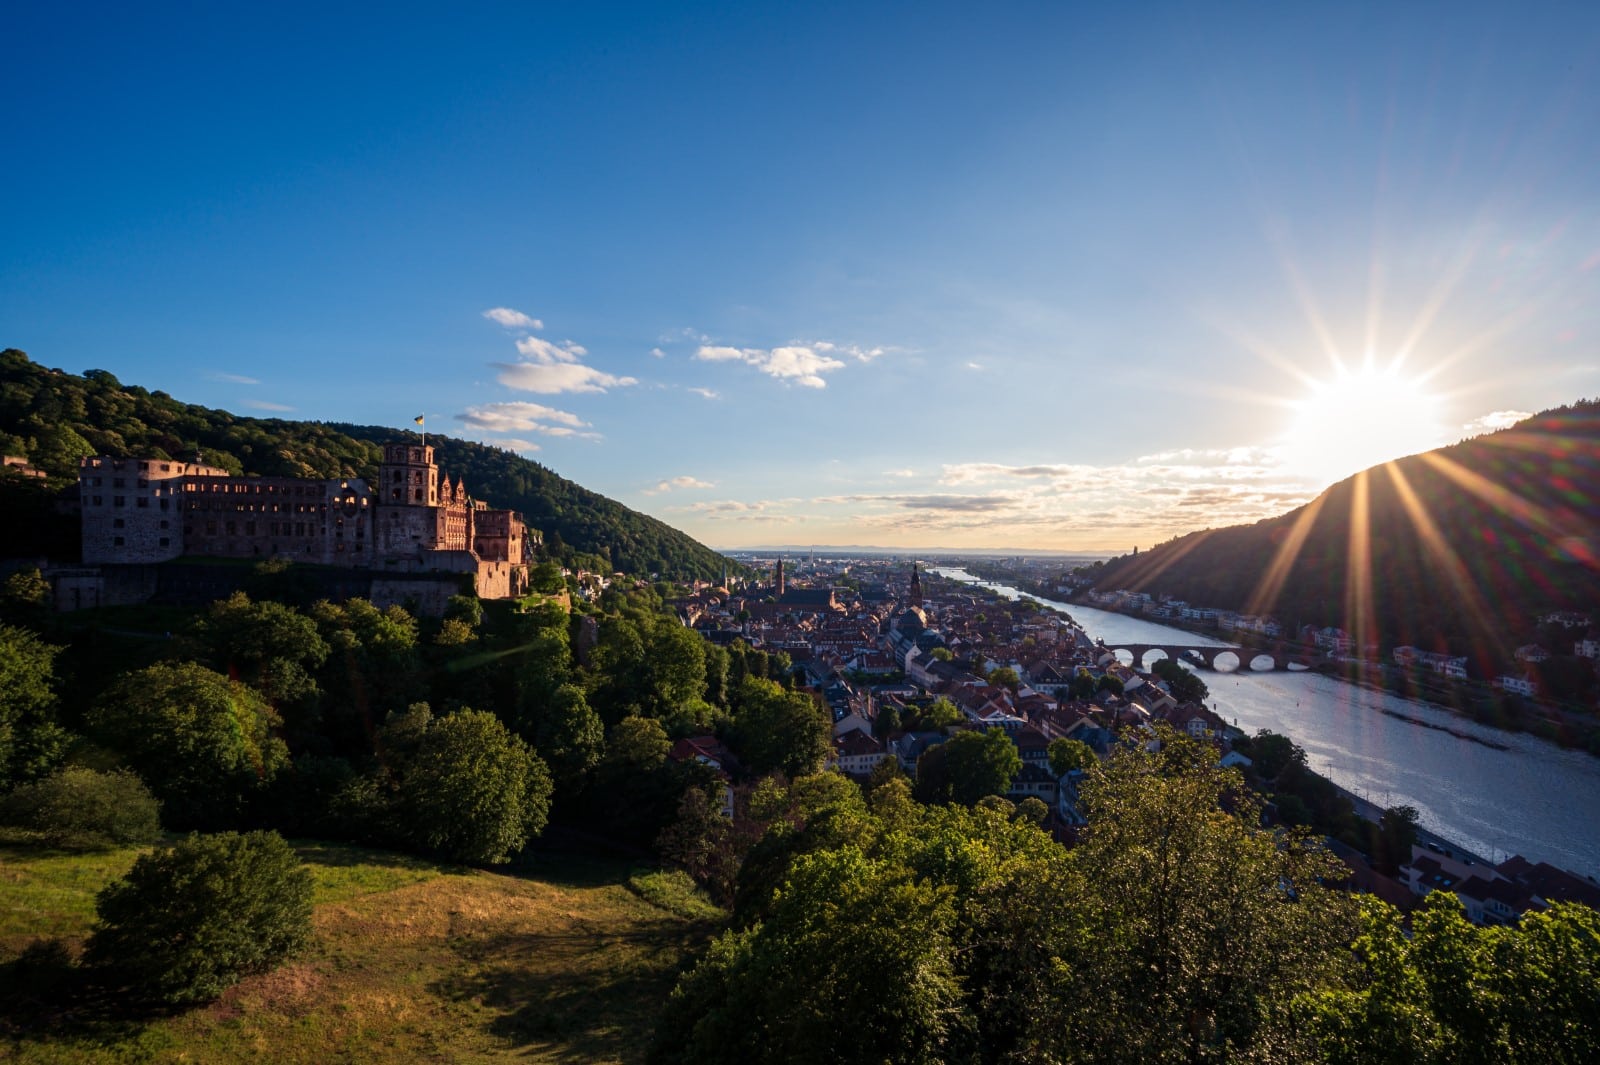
(56,418)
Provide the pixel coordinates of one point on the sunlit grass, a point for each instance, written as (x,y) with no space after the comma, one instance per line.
(413,961)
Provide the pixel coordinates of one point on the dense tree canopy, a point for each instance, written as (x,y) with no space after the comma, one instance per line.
(203,743)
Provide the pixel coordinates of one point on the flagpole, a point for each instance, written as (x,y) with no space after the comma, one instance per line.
(419,420)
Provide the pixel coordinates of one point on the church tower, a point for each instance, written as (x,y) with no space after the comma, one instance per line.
(916,586)
(408,476)
(778,583)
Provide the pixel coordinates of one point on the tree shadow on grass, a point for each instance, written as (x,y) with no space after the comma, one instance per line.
(579,996)
(46,997)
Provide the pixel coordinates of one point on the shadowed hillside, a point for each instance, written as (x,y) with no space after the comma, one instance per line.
(56,418)
(1462,547)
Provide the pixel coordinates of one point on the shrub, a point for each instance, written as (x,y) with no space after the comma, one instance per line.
(82,808)
(188,922)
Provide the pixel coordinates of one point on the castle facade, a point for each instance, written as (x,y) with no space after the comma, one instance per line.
(413,521)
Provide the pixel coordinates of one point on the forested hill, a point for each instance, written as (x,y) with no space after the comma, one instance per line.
(56,418)
(1462,547)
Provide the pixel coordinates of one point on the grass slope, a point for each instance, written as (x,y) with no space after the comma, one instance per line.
(567,960)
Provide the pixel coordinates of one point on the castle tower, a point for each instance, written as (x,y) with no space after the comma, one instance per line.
(408,476)
(916,586)
(779,582)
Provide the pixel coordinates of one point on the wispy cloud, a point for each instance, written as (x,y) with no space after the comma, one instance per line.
(801,363)
(1495,421)
(524,417)
(658,353)
(708,393)
(512,443)
(231,378)
(512,319)
(678,482)
(900,473)
(261,404)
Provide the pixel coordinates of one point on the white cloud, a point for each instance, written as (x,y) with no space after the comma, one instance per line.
(525,417)
(511,443)
(678,482)
(549,380)
(707,393)
(544,351)
(232,378)
(1495,421)
(512,319)
(899,473)
(658,353)
(975,366)
(261,404)
(715,354)
(796,363)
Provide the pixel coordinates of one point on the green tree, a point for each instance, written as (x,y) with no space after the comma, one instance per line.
(1069,755)
(203,743)
(1393,837)
(546,579)
(968,767)
(470,790)
(1004,677)
(30,739)
(853,964)
(189,921)
(569,734)
(82,808)
(779,730)
(1218,923)
(271,647)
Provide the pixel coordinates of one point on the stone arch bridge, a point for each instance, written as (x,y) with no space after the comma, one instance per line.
(1249,659)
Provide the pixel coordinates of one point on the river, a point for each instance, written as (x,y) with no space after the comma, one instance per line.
(1531,798)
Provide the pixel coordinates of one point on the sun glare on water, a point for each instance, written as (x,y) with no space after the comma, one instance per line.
(1362,417)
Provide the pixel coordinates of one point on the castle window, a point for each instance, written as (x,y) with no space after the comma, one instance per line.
(166,541)
(117,523)
(416,495)
(249,528)
(118,501)
(141,501)
(163,523)
(98,501)
(166,504)
(119,482)
(232,527)
(117,541)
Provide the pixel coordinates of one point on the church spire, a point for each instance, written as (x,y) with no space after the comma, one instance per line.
(916,586)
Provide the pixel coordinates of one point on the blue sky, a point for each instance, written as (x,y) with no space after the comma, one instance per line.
(1048,275)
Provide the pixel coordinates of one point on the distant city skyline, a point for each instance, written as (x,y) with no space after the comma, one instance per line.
(1042,277)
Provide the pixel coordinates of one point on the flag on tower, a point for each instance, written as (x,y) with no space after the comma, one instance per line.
(419,419)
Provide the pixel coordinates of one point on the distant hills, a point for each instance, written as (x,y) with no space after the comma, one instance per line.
(1462,548)
(56,418)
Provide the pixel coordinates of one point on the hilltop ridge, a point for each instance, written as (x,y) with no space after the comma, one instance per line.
(56,418)
(1465,546)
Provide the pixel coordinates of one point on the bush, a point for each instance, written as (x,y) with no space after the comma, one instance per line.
(188,922)
(82,808)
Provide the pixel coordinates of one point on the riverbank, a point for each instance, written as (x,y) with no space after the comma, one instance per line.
(1487,790)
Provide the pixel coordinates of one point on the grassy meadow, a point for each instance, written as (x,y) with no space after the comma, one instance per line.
(563,959)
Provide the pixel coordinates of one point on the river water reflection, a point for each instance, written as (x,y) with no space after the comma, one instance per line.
(1531,797)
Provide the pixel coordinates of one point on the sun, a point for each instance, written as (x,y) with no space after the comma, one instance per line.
(1362,417)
